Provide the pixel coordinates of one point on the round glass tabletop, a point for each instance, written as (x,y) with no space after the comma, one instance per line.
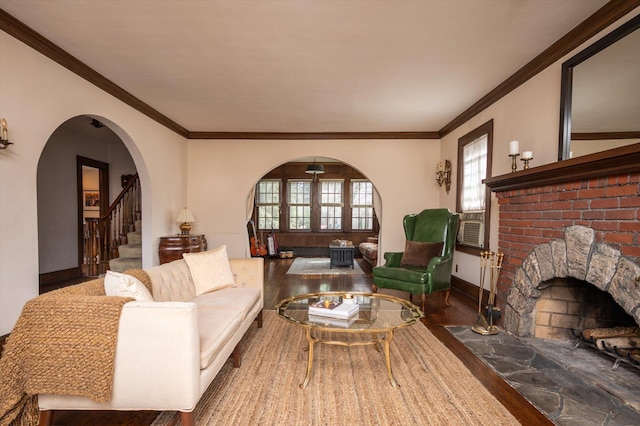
(349,312)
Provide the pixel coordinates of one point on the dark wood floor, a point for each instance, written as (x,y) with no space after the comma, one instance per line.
(278,286)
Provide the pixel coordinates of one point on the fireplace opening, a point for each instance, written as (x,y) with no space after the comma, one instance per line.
(570,309)
(569,306)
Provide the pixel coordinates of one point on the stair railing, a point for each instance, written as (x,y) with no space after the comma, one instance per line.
(105,234)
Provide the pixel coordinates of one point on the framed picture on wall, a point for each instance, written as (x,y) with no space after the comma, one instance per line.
(91,200)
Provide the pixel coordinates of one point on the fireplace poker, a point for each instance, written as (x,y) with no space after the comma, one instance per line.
(493,261)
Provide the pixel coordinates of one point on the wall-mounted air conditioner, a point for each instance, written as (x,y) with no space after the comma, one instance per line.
(471,232)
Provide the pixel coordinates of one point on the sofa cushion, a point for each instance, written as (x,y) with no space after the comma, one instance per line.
(216,328)
(210,270)
(172,282)
(369,249)
(419,253)
(235,299)
(124,285)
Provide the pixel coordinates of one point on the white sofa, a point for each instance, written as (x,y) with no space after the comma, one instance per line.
(168,351)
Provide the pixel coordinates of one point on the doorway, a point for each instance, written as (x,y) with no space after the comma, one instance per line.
(93,200)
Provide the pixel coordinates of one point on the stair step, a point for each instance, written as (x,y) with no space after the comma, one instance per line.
(134,237)
(122,264)
(138,225)
(130,250)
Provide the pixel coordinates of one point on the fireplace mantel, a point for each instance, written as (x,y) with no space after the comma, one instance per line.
(625,159)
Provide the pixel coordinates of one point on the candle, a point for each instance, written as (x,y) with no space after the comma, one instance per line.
(527,155)
(5,132)
(514,149)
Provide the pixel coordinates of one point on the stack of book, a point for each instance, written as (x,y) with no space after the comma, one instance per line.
(333,309)
(333,322)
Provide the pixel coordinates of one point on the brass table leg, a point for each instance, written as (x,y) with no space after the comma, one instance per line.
(387,358)
(311,341)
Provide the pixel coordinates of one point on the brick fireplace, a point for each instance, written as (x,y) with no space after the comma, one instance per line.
(576,219)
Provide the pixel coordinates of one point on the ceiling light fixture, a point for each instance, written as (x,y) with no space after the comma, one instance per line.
(315,169)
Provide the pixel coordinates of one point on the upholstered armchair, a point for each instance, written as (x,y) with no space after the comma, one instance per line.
(425,265)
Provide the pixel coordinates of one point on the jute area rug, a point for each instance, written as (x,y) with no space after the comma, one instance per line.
(348,386)
(320,266)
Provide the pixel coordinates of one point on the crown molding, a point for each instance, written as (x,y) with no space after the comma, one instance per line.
(598,21)
(604,136)
(31,38)
(605,16)
(313,135)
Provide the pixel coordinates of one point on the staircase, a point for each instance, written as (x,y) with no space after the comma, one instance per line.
(114,241)
(130,253)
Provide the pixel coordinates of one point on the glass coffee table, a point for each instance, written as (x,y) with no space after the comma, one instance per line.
(378,316)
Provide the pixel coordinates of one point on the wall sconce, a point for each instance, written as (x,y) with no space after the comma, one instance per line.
(185,219)
(4,136)
(443,174)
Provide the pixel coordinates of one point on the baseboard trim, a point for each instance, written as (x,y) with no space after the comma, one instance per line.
(59,276)
(469,289)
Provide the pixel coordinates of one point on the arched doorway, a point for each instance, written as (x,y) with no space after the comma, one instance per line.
(325,206)
(67,196)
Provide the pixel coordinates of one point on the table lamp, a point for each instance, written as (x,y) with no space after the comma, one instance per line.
(185,219)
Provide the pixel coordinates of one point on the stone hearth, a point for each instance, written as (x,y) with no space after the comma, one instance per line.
(579,256)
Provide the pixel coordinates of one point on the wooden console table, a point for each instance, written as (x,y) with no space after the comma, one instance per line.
(171,248)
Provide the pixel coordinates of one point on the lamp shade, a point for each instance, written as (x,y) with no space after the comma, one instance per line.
(185,216)
(315,168)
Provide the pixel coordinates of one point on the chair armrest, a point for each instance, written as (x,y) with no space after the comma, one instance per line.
(440,268)
(392,259)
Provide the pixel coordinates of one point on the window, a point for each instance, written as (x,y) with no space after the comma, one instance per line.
(300,204)
(268,204)
(331,204)
(299,200)
(473,201)
(361,205)
(474,169)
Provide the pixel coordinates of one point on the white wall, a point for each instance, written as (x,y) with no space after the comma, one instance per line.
(529,114)
(36,96)
(222,172)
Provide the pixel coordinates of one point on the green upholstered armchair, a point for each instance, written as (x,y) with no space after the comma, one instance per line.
(428,226)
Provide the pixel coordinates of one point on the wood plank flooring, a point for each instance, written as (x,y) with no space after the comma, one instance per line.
(278,286)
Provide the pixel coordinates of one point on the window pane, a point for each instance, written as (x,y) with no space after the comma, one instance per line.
(362,218)
(331,204)
(330,217)
(331,192)
(361,193)
(299,217)
(299,204)
(268,204)
(268,217)
(474,171)
(299,192)
(361,205)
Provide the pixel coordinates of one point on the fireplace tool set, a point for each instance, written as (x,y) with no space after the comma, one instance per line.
(493,262)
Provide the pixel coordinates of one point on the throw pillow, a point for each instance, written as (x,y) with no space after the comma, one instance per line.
(420,254)
(210,270)
(123,285)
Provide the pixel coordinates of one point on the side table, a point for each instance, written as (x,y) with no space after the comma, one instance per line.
(172,247)
(341,255)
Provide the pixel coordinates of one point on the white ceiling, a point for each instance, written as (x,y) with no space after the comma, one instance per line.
(305,66)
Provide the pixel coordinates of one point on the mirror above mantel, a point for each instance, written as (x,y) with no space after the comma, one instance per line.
(600,95)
